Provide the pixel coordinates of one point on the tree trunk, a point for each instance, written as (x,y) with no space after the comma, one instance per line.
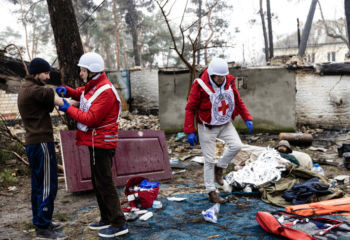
(125,56)
(269,24)
(87,41)
(347,17)
(131,20)
(264,32)
(199,27)
(68,43)
(116,32)
(298,32)
(25,29)
(307,27)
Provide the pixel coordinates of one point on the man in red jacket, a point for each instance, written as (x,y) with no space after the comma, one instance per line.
(98,119)
(214,101)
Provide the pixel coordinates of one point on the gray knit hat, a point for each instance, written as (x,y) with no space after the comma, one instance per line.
(286,144)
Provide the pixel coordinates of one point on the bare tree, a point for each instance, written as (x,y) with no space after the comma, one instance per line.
(307,27)
(116,32)
(188,33)
(25,29)
(125,56)
(262,15)
(131,20)
(347,17)
(338,31)
(269,24)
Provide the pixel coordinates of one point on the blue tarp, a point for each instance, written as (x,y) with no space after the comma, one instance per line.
(183,220)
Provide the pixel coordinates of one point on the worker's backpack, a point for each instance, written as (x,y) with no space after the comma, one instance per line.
(298,227)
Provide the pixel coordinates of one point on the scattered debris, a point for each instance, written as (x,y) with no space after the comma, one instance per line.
(180,136)
(146,216)
(198,159)
(12,188)
(176,199)
(317,149)
(177,172)
(211,214)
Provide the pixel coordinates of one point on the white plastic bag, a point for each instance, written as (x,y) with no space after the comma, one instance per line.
(211,214)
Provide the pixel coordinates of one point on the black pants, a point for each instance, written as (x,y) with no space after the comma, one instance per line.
(106,194)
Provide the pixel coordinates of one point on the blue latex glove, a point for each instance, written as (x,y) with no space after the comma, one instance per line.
(61,90)
(249,124)
(192,139)
(65,106)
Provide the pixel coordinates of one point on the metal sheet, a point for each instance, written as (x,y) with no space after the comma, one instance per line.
(139,153)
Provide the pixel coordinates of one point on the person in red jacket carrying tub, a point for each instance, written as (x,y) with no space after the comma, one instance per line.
(214,101)
(98,119)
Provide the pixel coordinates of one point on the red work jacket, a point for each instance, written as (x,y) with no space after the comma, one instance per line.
(101,117)
(199,105)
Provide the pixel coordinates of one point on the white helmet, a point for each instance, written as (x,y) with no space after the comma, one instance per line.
(218,67)
(92,61)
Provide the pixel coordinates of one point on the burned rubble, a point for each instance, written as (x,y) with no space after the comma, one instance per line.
(186,163)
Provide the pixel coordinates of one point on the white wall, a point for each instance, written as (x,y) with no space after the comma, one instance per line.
(323,101)
(320,52)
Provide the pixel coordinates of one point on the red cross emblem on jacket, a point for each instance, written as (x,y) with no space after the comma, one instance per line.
(223,107)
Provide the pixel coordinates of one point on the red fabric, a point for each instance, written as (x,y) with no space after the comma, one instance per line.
(104,110)
(144,198)
(199,105)
(270,224)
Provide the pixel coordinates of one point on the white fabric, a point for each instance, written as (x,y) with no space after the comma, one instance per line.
(303,158)
(85,104)
(222,103)
(254,151)
(207,139)
(267,167)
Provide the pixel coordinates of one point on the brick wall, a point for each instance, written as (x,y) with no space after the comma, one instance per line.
(8,106)
(323,101)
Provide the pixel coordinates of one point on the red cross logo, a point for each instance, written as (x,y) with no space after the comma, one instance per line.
(223,107)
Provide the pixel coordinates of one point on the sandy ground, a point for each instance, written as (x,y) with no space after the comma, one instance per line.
(76,210)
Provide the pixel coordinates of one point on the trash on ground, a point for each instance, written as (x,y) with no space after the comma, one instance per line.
(211,214)
(176,199)
(130,216)
(146,216)
(185,157)
(140,212)
(174,161)
(12,188)
(157,204)
(198,159)
(317,149)
(180,136)
(180,171)
(345,179)
(226,187)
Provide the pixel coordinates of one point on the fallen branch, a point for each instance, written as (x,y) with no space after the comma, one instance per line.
(20,54)
(17,155)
